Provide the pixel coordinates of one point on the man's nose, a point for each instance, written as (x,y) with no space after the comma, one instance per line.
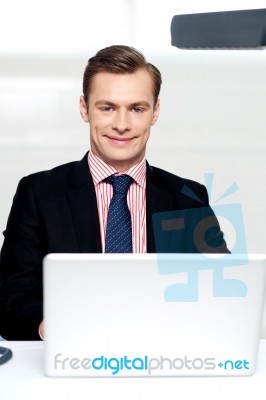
(121,122)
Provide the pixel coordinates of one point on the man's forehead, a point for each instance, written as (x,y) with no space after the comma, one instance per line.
(139,78)
(122,89)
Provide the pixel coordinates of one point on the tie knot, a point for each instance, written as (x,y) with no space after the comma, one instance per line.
(120,183)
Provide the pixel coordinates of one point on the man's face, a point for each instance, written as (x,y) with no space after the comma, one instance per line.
(120,112)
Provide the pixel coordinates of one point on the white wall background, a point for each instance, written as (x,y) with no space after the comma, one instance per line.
(213,102)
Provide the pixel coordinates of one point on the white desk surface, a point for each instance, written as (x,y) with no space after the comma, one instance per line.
(22,378)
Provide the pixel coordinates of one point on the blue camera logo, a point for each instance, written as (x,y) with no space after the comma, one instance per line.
(197,231)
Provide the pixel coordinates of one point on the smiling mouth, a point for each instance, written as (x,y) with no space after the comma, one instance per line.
(119,141)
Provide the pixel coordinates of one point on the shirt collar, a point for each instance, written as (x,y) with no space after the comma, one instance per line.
(101,170)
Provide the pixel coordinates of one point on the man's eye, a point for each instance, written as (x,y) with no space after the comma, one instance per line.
(107,108)
(137,109)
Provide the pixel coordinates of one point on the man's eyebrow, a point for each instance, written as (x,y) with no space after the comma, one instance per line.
(141,103)
(103,102)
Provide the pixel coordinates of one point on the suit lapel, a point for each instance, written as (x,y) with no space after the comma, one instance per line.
(157,200)
(83,204)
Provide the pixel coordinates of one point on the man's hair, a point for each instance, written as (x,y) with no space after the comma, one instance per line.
(119,59)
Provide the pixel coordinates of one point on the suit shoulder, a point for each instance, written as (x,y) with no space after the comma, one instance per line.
(58,178)
(174,182)
(186,192)
(57,173)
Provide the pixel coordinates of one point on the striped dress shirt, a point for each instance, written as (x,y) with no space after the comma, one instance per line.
(136,199)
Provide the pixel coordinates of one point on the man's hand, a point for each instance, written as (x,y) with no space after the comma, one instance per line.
(41,330)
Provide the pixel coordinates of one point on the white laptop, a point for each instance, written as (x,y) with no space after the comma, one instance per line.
(116,315)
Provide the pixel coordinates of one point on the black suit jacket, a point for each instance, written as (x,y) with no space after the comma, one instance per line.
(56,212)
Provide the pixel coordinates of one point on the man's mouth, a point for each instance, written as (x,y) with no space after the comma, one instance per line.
(121,141)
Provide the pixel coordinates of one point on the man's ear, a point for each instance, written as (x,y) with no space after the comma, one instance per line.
(83,109)
(156,112)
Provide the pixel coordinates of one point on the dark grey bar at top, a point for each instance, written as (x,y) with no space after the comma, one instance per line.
(227,29)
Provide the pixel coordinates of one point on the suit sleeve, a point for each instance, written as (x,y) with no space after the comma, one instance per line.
(21,268)
(207,234)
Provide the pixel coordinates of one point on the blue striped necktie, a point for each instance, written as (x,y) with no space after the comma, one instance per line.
(119,227)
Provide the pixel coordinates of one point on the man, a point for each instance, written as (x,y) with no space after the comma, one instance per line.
(72,208)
